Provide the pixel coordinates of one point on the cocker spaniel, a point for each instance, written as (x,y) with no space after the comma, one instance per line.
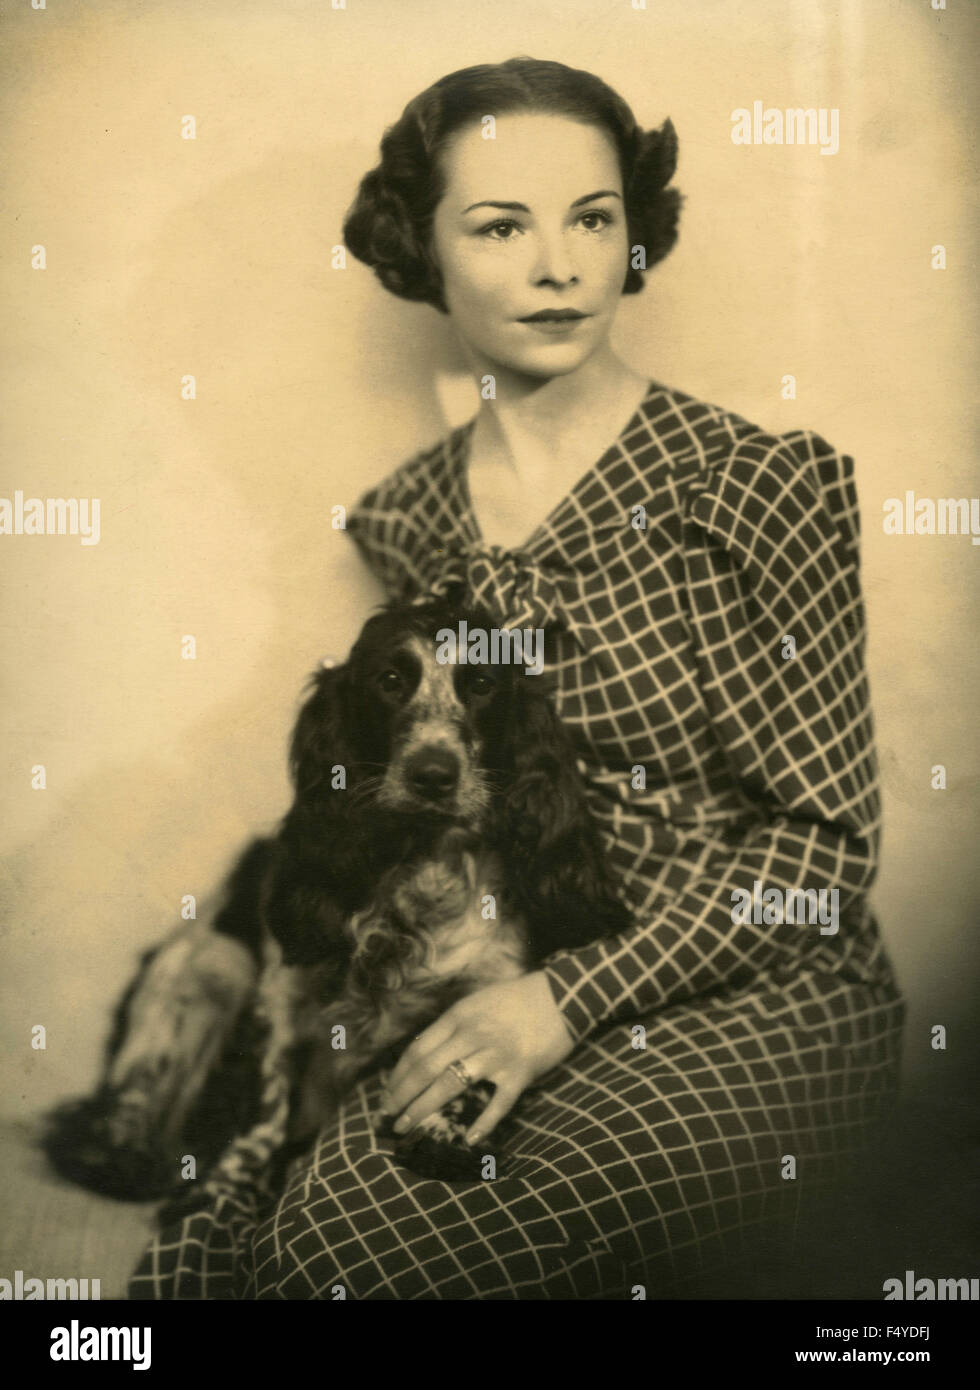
(439,841)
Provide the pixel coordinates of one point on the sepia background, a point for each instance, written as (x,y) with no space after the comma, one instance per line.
(215,257)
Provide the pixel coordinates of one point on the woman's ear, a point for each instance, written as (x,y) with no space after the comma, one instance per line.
(430,256)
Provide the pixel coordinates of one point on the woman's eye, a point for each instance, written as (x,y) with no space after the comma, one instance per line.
(495,226)
(603,219)
(390,681)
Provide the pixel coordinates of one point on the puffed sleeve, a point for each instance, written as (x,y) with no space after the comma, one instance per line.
(384,526)
(777,625)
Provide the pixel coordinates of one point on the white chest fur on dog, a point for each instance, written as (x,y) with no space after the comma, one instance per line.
(435,934)
(457,909)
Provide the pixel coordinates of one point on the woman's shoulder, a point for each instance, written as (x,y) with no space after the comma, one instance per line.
(742,479)
(728,447)
(405,484)
(394,521)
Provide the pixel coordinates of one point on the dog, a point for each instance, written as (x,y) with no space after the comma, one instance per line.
(439,841)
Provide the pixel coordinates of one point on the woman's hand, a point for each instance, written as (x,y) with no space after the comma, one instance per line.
(508,1033)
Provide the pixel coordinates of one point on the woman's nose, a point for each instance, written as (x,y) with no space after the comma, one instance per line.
(553,262)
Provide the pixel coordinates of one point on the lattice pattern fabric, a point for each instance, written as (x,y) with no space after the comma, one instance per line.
(718,755)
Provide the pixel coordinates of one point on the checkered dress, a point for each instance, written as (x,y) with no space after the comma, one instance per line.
(700,590)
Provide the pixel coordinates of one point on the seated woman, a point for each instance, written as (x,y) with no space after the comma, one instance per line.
(698,581)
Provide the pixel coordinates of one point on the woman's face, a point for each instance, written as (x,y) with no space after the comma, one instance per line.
(531,220)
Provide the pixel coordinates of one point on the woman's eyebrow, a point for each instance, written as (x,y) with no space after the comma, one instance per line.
(520,207)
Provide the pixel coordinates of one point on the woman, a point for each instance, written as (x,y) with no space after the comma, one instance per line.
(698,579)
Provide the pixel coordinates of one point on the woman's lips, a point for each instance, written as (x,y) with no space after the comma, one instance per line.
(554,326)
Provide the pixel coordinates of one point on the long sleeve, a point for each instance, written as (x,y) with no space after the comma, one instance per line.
(382,525)
(777,626)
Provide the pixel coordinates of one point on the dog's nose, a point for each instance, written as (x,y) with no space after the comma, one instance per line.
(433,772)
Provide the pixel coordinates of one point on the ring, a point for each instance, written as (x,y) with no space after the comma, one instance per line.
(458,1070)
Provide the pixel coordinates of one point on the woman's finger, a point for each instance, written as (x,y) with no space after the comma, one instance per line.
(415,1064)
(444,1087)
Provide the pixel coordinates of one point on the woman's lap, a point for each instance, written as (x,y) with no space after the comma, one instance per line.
(626,1164)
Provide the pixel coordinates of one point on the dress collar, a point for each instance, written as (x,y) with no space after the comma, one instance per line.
(669,441)
(669,438)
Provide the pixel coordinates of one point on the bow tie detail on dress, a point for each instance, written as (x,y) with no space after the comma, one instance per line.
(520,591)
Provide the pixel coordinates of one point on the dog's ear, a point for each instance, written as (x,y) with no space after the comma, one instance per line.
(545,832)
(305,907)
(544,799)
(321,740)
(303,911)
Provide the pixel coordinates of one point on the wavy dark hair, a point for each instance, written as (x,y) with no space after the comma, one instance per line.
(389,224)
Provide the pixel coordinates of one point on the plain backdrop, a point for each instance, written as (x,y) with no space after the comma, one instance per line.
(215,257)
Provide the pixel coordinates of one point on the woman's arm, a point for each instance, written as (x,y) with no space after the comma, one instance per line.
(777,625)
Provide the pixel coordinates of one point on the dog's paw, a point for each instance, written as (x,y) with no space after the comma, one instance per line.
(104,1146)
(436,1147)
(430,1155)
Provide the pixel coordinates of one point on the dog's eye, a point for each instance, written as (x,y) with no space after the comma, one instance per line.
(390,681)
(481,684)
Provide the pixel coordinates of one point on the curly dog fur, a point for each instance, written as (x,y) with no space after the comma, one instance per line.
(439,840)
